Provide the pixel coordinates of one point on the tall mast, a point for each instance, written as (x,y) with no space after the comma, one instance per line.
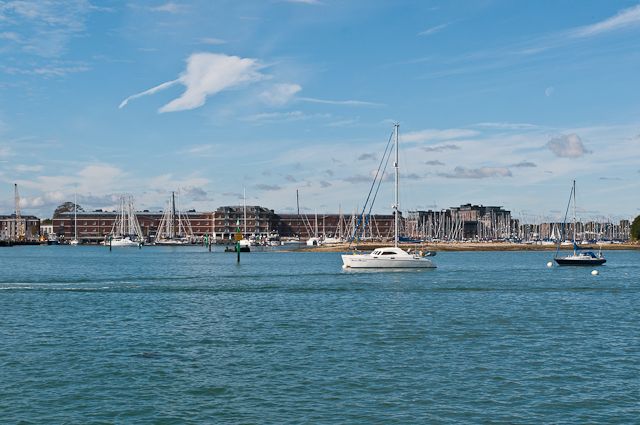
(395,205)
(19,229)
(75,216)
(172,233)
(244,207)
(574,212)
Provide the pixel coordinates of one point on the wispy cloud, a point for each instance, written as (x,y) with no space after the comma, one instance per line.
(437,135)
(624,19)
(169,7)
(358,178)
(270,117)
(434,163)
(23,168)
(507,125)
(44,28)
(339,102)
(310,2)
(367,157)
(441,148)
(195,193)
(433,30)
(343,123)
(279,94)
(477,173)
(206,75)
(54,68)
(212,41)
(268,187)
(524,164)
(567,146)
(206,150)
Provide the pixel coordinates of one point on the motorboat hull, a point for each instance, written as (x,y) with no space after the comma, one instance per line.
(393,258)
(125,242)
(580,261)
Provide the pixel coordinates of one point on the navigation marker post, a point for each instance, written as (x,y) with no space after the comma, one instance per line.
(238,238)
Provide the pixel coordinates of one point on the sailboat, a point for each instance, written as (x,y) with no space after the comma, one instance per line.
(389,257)
(75,241)
(126,230)
(315,239)
(579,257)
(174,227)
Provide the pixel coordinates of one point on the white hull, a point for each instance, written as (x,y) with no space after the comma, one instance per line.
(172,242)
(314,242)
(386,258)
(115,242)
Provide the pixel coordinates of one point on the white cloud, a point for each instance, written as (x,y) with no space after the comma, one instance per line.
(435,135)
(213,41)
(339,102)
(303,1)
(549,91)
(624,19)
(206,75)
(434,29)
(477,173)
(507,125)
(280,94)
(10,36)
(169,7)
(267,117)
(44,28)
(208,150)
(23,168)
(567,146)
(100,172)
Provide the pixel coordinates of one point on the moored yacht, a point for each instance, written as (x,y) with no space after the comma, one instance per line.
(389,257)
(579,257)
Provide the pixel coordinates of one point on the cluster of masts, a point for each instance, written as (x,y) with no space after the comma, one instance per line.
(174,227)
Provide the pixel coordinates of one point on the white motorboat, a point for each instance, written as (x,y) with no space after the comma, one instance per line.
(122,241)
(389,257)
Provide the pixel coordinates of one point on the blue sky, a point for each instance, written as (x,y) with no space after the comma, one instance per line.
(499,102)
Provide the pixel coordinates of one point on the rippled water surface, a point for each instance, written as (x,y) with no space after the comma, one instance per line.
(181,335)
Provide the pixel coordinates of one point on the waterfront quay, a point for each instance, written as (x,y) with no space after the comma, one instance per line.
(467,223)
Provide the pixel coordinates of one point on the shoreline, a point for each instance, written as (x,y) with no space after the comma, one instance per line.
(467,246)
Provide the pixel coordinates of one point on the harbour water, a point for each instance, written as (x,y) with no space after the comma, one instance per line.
(181,335)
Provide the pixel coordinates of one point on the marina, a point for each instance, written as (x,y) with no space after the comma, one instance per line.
(319,212)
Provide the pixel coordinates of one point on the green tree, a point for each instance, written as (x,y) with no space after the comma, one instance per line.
(66,207)
(635,229)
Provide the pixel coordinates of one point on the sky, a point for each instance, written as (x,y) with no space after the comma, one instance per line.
(499,103)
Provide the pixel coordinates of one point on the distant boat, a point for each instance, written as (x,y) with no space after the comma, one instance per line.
(126,230)
(389,257)
(579,257)
(75,241)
